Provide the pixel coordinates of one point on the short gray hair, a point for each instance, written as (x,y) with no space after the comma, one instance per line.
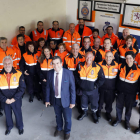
(75,45)
(3,38)
(7,57)
(125,29)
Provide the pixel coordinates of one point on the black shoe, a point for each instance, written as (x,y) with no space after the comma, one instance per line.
(31,99)
(127,125)
(57,132)
(98,113)
(84,114)
(80,110)
(66,136)
(21,131)
(95,118)
(115,123)
(38,97)
(7,132)
(137,131)
(108,117)
(1,114)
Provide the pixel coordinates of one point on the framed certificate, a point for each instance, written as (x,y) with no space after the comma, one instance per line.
(131,15)
(85,10)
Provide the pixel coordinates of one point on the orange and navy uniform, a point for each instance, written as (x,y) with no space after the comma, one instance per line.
(83,51)
(137,60)
(122,50)
(92,40)
(44,67)
(70,39)
(56,35)
(121,41)
(18,54)
(61,55)
(9,52)
(14,40)
(110,72)
(100,55)
(35,35)
(15,88)
(71,63)
(39,51)
(29,62)
(86,32)
(128,83)
(89,78)
(113,38)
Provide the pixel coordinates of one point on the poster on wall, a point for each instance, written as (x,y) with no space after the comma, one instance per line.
(85,10)
(131,15)
(105,19)
(107,7)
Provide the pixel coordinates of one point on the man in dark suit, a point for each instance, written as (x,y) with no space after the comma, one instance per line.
(60,93)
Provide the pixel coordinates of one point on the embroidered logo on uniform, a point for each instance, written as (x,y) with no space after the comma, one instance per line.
(132,75)
(51,63)
(92,72)
(58,34)
(36,57)
(74,38)
(113,70)
(14,79)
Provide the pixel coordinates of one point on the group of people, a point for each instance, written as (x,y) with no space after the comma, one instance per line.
(64,69)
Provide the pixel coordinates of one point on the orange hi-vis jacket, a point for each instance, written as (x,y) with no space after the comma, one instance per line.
(122,50)
(16,87)
(69,39)
(89,78)
(56,35)
(14,41)
(113,38)
(128,83)
(121,41)
(137,60)
(86,32)
(61,55)
(37,35)
(9,52)
(110,73)
(83,51)
(92,40)
(71,63)
(18,54)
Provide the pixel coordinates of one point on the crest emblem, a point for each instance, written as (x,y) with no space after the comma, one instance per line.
(113,70)
(36,57)
(135,16)
(74,38)
(92,72)
(14,79)
(51,63)
(85,10)
(105,26)
(58,34)
(132,75)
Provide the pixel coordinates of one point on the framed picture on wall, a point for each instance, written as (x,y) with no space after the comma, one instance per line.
(85,9)
(131,15)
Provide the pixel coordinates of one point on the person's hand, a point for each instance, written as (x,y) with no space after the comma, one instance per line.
(13,100)
(47,103)
(44,80)
(8,101)
(72,106)
(25,72)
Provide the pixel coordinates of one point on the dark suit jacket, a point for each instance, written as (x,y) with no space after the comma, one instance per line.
(68,94)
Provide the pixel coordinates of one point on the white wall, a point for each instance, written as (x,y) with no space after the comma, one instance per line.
(15,13)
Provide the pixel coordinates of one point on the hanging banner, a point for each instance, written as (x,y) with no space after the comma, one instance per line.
(131,16)
(105,19)
(107,7)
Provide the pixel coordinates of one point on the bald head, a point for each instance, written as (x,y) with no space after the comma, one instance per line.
(72,28)
(126,33)
(89,58)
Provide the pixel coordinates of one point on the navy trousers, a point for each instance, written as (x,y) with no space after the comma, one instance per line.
(66,112)
(16,108)
(127,100)
(107,97)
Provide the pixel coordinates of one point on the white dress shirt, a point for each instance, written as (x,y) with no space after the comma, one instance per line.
(59,82)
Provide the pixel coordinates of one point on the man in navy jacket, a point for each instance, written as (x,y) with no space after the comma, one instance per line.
(60,93)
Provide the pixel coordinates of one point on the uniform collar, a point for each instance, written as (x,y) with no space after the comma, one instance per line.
(28,52)
(133,66)
(89,49)
(93,64)
(56,30)
(12,71)
(40,31)
(130,48)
